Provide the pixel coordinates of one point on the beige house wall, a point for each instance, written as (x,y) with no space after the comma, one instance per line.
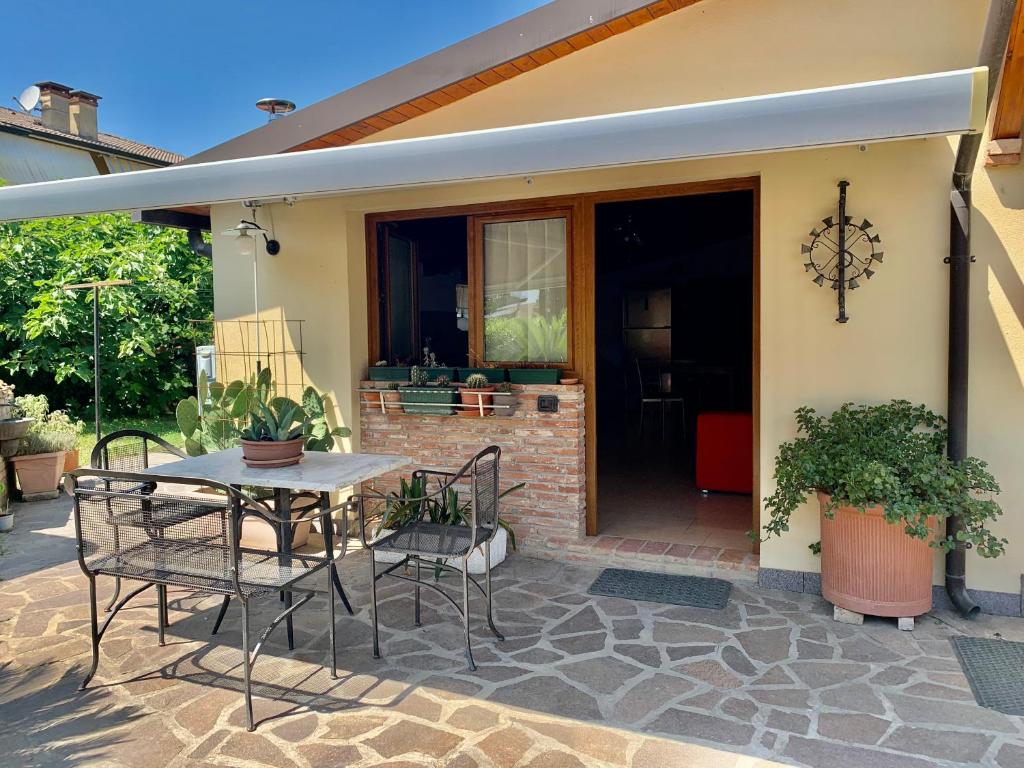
(895,343)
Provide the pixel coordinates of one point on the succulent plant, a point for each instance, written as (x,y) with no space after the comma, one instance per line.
(477,381)
(417,376)
(505,387)
(380,364)
(393,385)
(443,381)
(319,433)
(277,421)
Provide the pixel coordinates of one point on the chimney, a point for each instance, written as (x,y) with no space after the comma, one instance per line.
(83,114)
(55,100)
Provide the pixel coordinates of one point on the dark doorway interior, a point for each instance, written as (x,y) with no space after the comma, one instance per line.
(674,292)
(423,263)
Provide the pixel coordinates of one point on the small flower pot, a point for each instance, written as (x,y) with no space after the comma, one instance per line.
(534,375)
(421,400)
(505,398)
(270,454)
(39,474)
(6,522)
(389,373)
(71,460)
(871,566)
(479,399)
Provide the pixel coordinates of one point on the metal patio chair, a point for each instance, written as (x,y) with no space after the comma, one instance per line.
(189,541)
(423,543)
(128,450)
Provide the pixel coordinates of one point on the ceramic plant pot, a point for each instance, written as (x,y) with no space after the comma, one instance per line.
(479,399)
(505,398)
(15,428)
(39,473)
(269,454)
(71,460)
(6,522)
(873,567)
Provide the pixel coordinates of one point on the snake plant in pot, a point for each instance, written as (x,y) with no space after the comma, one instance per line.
(276,434)
(884,486)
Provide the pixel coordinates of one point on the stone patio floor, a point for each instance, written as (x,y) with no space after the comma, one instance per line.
(580,681)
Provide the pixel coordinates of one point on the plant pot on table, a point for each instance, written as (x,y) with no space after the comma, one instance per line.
(871,566)
(270,454)
(39,473)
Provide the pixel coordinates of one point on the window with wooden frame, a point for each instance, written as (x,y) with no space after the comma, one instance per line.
(515,267)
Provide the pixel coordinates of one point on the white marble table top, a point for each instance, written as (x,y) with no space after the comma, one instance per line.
(317,471)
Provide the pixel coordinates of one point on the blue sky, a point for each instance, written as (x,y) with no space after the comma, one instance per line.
(185,74)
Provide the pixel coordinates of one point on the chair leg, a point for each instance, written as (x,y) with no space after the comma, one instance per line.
(95,633)
(373,603)
(487,583)
(117,594)
(417,598)
(465,612)
(161,611)
(223,612)
(330,629)
(246,667)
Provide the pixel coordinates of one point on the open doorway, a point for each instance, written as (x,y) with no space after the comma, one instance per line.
(674,293)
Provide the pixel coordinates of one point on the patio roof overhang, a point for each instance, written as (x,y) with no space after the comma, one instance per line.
(937,104)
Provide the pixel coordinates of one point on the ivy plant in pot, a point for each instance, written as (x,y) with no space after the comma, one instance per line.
(884,487)
(40,459)
(276,434)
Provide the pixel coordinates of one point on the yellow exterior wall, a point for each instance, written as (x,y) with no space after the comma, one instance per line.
(895,343)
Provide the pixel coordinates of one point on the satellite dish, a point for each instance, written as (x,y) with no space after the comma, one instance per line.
(29,98)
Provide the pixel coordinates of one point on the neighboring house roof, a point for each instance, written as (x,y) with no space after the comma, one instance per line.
(12,121)
(498,54)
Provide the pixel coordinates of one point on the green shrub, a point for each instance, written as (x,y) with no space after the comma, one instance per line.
(52,431)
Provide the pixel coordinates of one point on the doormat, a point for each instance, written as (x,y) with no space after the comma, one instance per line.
(693,591)
(995,670)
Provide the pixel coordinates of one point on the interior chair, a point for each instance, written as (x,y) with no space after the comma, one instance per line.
(651,391)
(128,450)
(189,541)
(424,543)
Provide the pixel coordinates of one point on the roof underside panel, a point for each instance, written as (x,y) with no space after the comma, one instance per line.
(927,105)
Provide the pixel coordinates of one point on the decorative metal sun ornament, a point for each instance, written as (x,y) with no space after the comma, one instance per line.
(841,251)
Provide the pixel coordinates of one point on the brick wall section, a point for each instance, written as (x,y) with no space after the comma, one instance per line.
(544,450)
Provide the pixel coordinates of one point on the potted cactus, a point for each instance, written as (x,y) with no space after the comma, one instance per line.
(276,434)
(424,397)
(477,393)
(39,462)
(504,396)
(494,375)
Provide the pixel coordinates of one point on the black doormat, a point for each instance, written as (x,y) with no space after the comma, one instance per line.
(995,670)
(693,591)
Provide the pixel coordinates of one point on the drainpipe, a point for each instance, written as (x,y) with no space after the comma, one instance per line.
(993,50)
(199,246)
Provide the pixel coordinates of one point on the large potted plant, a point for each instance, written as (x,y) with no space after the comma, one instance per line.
(884,486)
(276,434)
(39,462)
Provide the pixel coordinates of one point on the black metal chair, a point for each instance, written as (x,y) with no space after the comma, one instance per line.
(189,541)
(128,450)
(651,391)
(425,543)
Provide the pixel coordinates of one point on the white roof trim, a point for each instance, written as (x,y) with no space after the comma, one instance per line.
(907,107)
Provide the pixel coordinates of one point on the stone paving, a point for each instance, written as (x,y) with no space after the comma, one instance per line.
(580,681)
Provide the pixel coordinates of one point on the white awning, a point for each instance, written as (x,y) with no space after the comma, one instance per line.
(902,108)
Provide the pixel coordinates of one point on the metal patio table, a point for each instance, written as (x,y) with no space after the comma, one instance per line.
(318,472)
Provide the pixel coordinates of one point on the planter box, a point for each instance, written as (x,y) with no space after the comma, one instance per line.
(499,550)
(493,375)
(534,375)
(434,373)
(505,398)
(873,567)
(39,474)
(388,373)
(425,397)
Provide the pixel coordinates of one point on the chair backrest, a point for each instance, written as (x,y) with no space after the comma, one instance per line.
(127,450)
(483,472)
(141,532)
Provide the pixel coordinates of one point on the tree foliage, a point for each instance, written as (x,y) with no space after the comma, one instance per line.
(147,339)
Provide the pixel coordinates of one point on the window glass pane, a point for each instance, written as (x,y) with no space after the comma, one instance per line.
(525,295)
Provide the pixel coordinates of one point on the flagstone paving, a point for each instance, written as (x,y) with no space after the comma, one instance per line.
(579,681)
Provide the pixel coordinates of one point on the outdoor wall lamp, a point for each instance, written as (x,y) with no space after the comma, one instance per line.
(245,239)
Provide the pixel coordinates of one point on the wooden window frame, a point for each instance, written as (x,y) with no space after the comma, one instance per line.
(476,285)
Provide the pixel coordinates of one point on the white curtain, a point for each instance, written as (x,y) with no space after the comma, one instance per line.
(525,291)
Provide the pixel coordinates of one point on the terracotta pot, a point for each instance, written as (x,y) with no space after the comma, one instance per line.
(39,473)
(257,533)
(871,566)
(71,460)
(268,454)
(475,397)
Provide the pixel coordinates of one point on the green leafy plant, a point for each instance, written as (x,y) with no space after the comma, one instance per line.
(320,436)
(226,408)
(51,431)
(477,381)
(519,339)
(505,388)
(394,385)
(402,507)
(279,420)
(890,455)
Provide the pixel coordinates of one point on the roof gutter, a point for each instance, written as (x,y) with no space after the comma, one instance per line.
(992,53)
